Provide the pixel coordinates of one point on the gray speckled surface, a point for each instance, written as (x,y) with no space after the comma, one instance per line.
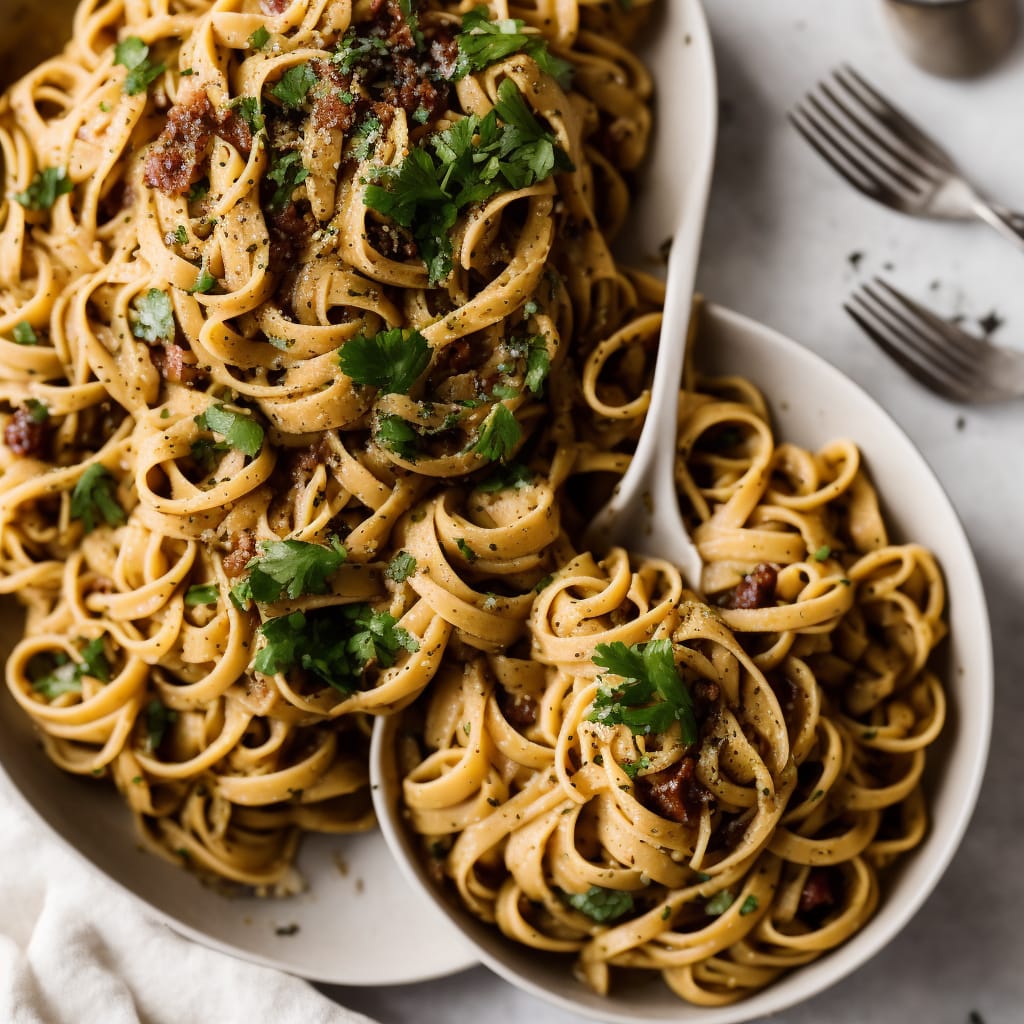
(780,230)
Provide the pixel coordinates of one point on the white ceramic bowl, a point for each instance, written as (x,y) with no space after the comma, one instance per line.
(812,403)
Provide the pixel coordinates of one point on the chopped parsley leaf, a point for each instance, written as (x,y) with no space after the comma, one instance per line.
(202,593)
(180,235)
(354,49)
(749,906)
(259,38)
(158,718)
(24,334)
(365,137)
(483,42)
(38,412)
(248,108)
(397,436)
(465,550)
(94,498)
(204,281)
(336,644)
(152,316)
(287,172)
(499,434)
(719,903)
(633,768)
(44,189)
(648,671)
(600,904)
(512,475)
(238,430)
(401,567)
(390,361)
(293,85)
(467,163)
(54,675)
(292,567)
(133,54)
(822,553)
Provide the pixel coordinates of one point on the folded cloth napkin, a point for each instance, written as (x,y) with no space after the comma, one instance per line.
(76,949)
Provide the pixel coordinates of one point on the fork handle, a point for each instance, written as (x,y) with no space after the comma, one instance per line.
(1007,222)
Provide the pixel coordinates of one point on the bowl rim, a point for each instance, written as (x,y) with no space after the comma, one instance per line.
(934,854)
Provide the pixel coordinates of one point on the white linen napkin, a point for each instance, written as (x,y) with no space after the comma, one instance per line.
(75,949)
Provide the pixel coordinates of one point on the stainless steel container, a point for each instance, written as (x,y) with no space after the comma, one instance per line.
(954,38)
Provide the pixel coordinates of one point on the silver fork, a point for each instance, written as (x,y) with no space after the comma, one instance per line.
(935,352)
(883,154)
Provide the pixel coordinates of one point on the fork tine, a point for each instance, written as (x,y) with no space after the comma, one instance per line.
(911,364)
(897,122)
(841,158)
(880,165)
(960,341)
(935,344)
(899,153)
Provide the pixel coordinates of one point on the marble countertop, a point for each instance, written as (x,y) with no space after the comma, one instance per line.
(786,241)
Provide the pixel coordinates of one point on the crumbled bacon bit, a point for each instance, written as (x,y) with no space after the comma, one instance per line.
(444,50)
(519,709)
(755,590)
(305,460)
(329,109)
(274,7)
(242,552)
(391,240)
(674,793)
(177,364)
(290,231)
(818,891)
(24,436)
(173,162)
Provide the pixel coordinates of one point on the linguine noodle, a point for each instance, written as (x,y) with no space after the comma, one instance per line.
(315,361)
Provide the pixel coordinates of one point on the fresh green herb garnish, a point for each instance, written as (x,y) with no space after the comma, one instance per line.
(287,172)
(94,498)
(259,38)
(466,551)
(180,235)
(354,50)
(397,436)
(483,42)
(633,768)
(204,281)
(38,412)
(199,190)
(24,334)
(335,644)
(44,189)
(719,903)
(401,567)
(467,163)
(647,670)
(153,316)
(238,430)
(202,593)
(133,54)
(390,361)
(749,906)
(600,904)
(499,434)
(512,475)
(292,567)
(294,84)
(57,674)
(248,108)
(158,718)
(365,137)
(822,553)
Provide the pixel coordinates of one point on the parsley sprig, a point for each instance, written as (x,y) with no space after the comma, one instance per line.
(390,361)
(45,188)
(292,567)
(133,54)
(337,644)
(467,163)
(54,675)
(652,694)
(600,904)
(238,430)
(483,42)
(95,498)
(499,434)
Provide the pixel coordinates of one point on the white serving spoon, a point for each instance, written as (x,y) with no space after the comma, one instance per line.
(643,513)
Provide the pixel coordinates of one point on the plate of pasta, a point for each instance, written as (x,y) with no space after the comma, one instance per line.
(275,275)
(324,329)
